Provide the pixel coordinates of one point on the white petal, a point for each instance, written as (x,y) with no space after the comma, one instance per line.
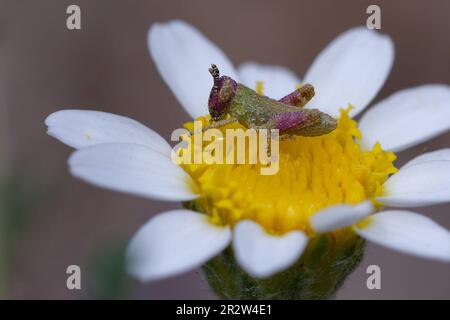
(442,155)
(419,184)
(351,69)
(407,117)
(174,242)
(133,169)
(408,232)
(183,55)
(82,128)
(277,81)
(263,255)
(340,216)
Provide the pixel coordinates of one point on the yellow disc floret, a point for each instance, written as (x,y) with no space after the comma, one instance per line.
(314,173)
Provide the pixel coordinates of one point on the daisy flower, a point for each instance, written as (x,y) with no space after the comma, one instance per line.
(311,218)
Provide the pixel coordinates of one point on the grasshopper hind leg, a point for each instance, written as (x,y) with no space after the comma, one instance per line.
(300,97)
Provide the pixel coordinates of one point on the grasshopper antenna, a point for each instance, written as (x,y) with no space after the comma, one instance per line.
(215,74)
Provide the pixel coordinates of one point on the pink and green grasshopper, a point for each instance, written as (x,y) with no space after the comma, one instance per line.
(256,111)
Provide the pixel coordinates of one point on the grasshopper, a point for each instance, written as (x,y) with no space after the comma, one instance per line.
(256,111)
(231,102)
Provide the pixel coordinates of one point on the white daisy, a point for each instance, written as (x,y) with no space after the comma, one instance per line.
(335,183)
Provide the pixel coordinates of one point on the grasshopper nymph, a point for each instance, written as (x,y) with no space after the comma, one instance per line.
(256,111)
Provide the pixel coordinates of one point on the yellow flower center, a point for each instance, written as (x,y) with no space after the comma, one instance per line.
(314,173)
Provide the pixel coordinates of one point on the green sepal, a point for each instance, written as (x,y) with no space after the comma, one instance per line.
(321,270)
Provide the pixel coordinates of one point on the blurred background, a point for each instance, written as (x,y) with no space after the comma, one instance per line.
(50,220)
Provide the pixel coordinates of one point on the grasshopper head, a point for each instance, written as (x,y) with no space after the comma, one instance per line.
(222,93)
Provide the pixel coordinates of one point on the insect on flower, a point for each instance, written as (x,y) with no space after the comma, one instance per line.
(256,111)
(256,235)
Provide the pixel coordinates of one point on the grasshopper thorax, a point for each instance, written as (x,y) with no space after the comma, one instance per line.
(222,93)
